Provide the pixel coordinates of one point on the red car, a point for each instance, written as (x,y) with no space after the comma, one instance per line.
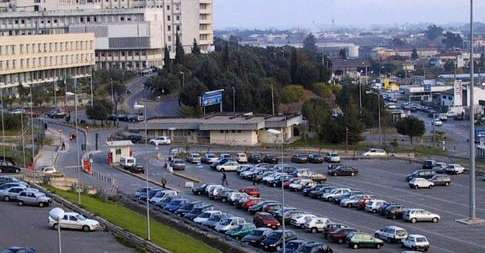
(251,202)
(340,235)
(286,184)
(362,203)
(264,219)
(251,191)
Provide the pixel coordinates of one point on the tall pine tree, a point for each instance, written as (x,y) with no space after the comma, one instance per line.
(167,62)
(195,48)
(179,51)
(294,66)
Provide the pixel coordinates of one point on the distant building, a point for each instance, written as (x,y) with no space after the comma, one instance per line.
(332,50)
(380,53)
(239,130)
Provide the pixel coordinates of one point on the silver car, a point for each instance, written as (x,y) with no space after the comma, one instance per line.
(33,198)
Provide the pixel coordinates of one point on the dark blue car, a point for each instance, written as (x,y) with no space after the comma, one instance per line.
(20,250)
(175,204)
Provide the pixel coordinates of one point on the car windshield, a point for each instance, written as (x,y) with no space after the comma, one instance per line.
(205,215)
(80,217)
(215,218)
(257,232)
(420,239)
(275,235)
(306,249)
(401,233)
(176,202)
(225,222)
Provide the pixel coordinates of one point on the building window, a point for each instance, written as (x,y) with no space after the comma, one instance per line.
(168,7)
(169,28)
(177,18)
(168,18)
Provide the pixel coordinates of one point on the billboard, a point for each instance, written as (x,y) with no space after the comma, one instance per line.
(211,98)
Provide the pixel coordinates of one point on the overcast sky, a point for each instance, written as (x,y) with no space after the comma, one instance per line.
(313,13)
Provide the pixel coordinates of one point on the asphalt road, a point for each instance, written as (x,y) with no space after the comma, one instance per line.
(382,178)
(27,226)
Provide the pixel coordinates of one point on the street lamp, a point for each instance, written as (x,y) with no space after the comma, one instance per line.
(57,214)
(183,78)
(139,106)
(278,133)
(379,111)
(78,158)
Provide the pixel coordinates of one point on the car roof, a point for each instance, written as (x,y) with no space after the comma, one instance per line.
(394,227)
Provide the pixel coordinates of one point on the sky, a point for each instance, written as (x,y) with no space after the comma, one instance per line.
(312,14)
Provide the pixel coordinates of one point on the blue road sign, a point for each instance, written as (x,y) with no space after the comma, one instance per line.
(212,98)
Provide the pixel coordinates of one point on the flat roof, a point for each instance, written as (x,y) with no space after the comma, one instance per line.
(119,143)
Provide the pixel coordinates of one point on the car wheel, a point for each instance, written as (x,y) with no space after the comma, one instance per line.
(355,246)
(6,198)
(394,217)
(352,174)
(378,246)
(17,171)
(340,241)
(413,220)
(278,248)
(41,204)
(86,229)
(55,226)
(274,185)
(314,230)
(349,205)
(447,183)
(1,170)
(20,203)
(435,220)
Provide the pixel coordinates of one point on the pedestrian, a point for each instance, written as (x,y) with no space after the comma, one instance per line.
(63,146)
(224,178)
(163,181)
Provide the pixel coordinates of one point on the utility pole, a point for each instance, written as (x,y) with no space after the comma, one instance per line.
(346,140)
(3,125)
(233,100)
(272,98)
(92,92)
(472,215)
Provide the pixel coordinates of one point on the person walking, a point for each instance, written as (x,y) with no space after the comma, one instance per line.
(163,181)
(224,178)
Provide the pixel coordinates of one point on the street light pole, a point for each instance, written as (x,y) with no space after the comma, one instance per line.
(78,159)
(91,83)
(472,123)
(55,95)
(233,100)
(32,127)
(3,125)
(144,106)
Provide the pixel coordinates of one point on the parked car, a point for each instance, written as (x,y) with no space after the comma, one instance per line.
(48,170)
(363,240)
(316,225)
(375,152)
(177,164)
(415,215)
(314,247)
(194,158)
(209,158)
(197,210)
(72,220)
(251,191)
(11,193)
(9,167)
(299,158)
(332,157)
(454,169)
(417,183)
(229,223)
(271,159)
(137,169)
(274,240)
(175,204)
(263,219)
(241,230)
(394,212)
(206,215)
(391,234)
(429,164)
(259,207)
(255,158)
(162,140)
(427,174)
(374,205)
(340,235)
(331,227)
(300,220)
(300,184)
(256,236)
(228,166)
(33,198)
(315,158)
(241,158)
(437,122)
(187,207)
(199,189)
(342,171)
(335,193)
(441,180)
(293,246)
(19,250)
(416,242)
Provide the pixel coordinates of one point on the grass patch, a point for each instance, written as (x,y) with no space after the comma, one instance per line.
(162,235)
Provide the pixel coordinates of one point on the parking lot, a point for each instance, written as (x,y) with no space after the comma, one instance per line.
(27,226)
(384,179)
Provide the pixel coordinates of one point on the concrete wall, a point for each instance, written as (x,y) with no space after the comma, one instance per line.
(242,138)
(125,151)
(266,138)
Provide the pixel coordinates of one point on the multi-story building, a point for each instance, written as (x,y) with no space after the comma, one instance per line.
(38,59)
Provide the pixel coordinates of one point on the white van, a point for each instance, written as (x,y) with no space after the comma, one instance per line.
(127,161)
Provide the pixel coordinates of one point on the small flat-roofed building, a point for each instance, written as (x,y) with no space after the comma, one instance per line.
(117,149)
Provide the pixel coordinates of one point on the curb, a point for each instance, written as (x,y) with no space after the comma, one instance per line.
(143,178)
(193,179)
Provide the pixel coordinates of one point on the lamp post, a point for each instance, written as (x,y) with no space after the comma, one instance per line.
(32,127)
(3,125)
(379,112)
(183,78)
(278,133)
(78,159)
(472,196)
(57,214)
(139,106)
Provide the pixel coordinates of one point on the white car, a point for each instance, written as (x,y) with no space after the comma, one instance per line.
(374,205)
(33,198)
(48,170)
(332,157)
(298,186)
(416,242)
(419,182)
(162,140)
(74,220)
(437,122)
(241,158)
(375,152)
(352,200)
(330,196)
(391,234)
(159,196)
(11,193)
(317,224)
(300,220)
(454,169)
(228,166)
(206,215)
(229,223)
(415,214)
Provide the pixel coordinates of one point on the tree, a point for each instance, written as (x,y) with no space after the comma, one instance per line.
(226,57)
(167,62)
(414,55)
(433,32)
(195,48)
(100,110)
(342,53)
(308,74)
(292,93)
(119,91)
(310,44)
(179,50)
(411,126)
(191,92)
(452,40)
(449,66)
(294,65)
